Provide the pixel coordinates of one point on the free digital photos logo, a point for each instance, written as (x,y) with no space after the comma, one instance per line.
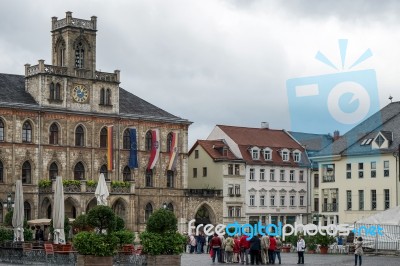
(339,100)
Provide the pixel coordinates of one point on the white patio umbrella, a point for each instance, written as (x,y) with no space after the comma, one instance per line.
(18,214)
(58,212)
(101,192)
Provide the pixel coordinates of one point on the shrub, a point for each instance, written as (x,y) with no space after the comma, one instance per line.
(90,243)
(28,234)
(103,218)
(120,223)
(125,237)
(71,182)
(162,221)
(115,184)
(6,234)
(161,236)
(324,240)
(91,183)
(45,183)
(8,218)
(81,223)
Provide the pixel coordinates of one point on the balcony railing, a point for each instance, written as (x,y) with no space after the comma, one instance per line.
(328,178)
(204,192)
(330,207)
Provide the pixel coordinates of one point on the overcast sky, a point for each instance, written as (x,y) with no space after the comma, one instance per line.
(216,62)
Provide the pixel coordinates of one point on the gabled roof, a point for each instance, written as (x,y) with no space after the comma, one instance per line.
(277,140)
(387,119)
(12,93)
(214,149)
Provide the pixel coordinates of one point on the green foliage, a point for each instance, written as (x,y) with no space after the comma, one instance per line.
(116,184)
(89,243)
(6,234)
(124,236)
(324,240)
(28,234)
(91,183)
(310,242)
(8,218)
(81,223)
(168,243)
(45,183)
(120,223)
(71,182)
(102,217)
(291,239)
(161,221)
(161,236)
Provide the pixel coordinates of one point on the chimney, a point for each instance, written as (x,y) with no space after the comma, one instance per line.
(336,135)
(264,125)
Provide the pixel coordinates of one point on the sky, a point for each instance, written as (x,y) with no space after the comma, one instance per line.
(229,62)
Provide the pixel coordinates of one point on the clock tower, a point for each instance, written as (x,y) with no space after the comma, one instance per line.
(72,81)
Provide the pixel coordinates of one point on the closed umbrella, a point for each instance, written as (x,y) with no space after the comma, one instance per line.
(58,212)
(101,192)
(18,214)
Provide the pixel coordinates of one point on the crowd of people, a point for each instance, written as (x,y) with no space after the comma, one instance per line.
(256,250)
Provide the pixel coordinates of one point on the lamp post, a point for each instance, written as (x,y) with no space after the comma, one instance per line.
(165,205)
(9,204)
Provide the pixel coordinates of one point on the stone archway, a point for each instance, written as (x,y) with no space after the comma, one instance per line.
(91,205)
(70,208)
(46,209)
(204,215)
(119,208)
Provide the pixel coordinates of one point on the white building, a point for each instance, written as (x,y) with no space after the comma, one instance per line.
(277,170)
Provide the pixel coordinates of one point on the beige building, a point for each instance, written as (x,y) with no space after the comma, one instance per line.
(55,119)
(359,171)
(214,169)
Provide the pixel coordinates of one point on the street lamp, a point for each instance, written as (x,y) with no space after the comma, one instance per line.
(165,205)
(9,204)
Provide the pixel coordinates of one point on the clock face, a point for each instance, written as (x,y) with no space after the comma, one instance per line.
(80,94)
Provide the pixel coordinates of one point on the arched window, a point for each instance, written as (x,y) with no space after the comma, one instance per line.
(108,97)
(27,132)
(170,207)
(26,173)
(79,171)
(53,134)
(1,130)
(52,91)
(53,171)
(27,211)
(126,140)
(170,178)
(1,175)
(149,178)
(169,142)
(103,170)
(79,136)
(149,140)
(61,55)
(103,137)
(148,211)
(102,94)
(58,92)
(127,175)
(79,55)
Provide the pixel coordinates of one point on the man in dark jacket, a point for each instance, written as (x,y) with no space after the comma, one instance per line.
(255,249)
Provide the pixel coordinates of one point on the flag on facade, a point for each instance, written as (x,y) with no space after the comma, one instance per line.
(110,155)
(155,148)
(173,153)
(133,160)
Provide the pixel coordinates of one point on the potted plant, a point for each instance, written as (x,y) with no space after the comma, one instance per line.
(161,241)
(310,244)
(324,241)
(289,242)
(97,248)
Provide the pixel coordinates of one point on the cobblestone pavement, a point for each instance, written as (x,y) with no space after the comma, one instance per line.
(310,259)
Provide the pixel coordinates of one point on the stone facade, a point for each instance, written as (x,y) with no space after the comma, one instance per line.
(43,108)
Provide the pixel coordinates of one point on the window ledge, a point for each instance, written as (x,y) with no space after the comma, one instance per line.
(302,181)
(292,181)
(253,180)
(282,181)
(106,105)
(55,101)
(272,180)
(263,180)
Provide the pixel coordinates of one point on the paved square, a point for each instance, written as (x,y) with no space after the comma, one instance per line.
(309,259)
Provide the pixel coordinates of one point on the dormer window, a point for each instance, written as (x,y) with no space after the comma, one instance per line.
(379,140)
(267,154)
(285,155)
(296,156)
(255,153)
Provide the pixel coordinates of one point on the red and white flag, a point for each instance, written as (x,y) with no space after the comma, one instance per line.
(155,148)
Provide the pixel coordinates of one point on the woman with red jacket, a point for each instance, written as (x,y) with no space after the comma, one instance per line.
(216,244)
(236,249)
(244,249)
(271,250)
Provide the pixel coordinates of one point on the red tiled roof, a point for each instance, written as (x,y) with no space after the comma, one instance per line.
(214,149)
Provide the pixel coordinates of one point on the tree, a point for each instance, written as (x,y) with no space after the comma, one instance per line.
(103,218)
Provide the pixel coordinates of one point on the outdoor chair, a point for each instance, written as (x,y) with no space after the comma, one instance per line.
(49,250)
